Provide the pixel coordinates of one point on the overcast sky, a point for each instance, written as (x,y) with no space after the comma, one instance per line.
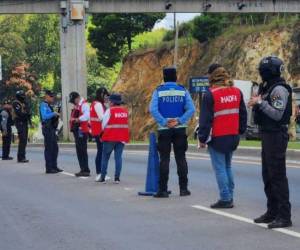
(168,22)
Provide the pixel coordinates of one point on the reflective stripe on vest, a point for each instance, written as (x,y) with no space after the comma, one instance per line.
(226,112)
(117,126)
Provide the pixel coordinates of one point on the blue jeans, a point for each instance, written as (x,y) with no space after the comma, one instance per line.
(222,166)
(98,160)
(108,147)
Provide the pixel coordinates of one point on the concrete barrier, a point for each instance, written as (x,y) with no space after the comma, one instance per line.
(292,154)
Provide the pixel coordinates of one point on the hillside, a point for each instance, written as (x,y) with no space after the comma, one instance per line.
(239,50)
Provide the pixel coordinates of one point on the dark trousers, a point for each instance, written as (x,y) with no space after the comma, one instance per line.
(22,128)
(98,160)
(51,147)
(81,140)
(274,147)
(6,142)
(178,138)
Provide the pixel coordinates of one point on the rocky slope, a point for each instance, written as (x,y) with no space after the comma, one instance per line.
(238,51)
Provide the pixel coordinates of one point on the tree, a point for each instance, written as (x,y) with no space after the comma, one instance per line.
(208,26)
(111,33)
(42,47)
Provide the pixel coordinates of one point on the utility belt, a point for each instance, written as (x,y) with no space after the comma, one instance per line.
(48,124)
(272,129)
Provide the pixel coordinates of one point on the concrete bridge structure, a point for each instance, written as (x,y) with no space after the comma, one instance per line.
(73,20)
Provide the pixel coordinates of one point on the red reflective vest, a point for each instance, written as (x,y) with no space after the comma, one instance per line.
(76,113)
(226,111)
(95,122)
(117,128)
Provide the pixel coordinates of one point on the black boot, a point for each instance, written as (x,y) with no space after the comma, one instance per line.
(223,204)
(280,223)
(23,161)
(82,174)
(265,218)
(51,171)
(59,170)
(185,192)
(161,194)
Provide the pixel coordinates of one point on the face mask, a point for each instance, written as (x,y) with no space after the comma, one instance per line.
(106,104)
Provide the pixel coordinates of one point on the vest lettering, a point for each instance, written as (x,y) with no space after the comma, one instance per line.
(121,115)
(229,99)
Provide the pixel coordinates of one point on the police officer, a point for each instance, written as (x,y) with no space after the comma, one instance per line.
(49,120)
(79,125)
(171,107)
(21,117)
(5,123)
(272,109)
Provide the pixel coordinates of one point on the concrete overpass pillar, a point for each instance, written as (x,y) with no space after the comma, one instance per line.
(73,56)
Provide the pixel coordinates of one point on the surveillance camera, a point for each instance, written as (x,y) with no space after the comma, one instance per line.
(207,6)
(168,5)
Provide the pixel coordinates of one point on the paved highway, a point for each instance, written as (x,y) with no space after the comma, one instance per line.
(60,212)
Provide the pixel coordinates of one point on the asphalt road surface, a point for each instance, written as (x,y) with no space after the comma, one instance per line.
(55,212)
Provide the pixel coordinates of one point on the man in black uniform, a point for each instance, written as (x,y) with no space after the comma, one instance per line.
(21,117)
(272,110)
(5,124)
(49,120)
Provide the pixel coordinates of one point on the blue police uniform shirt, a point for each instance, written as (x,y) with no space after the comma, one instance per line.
(46,112)
(171,100)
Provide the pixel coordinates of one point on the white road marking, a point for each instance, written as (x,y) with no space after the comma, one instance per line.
(69,174)
(255,161)
(246,220)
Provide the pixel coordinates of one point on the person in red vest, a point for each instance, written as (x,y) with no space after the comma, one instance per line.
(96,115)
(115,135)
(223,118)
(79,125)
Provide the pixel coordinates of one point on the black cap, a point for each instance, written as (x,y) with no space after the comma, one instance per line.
(170,74)
(213,67)
(50,93)
(116,99)
(73,96)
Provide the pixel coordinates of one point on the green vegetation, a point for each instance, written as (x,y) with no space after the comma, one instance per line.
(112,34)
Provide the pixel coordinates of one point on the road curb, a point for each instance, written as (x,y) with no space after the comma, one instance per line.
(292,154)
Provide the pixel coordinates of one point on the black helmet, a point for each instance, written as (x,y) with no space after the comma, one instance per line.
(270,67)
(73,96)
(20,95)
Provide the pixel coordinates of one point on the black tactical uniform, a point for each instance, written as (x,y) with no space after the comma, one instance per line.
(22,117)
(272,115)
(6,123)
(50,121)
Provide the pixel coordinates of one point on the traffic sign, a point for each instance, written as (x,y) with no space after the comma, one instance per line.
(199,84)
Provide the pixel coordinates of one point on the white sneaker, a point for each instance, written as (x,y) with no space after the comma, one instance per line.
(107,178)
(98,177)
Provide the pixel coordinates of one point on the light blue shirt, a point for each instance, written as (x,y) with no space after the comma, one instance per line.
(162,121)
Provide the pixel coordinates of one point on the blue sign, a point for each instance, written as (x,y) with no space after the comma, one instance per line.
(199,84)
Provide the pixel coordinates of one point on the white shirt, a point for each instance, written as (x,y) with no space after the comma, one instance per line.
(99,110)
(85,107)
(106,118)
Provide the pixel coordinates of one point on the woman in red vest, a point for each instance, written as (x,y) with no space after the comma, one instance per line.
(115,135)
(223,118)
(96,116)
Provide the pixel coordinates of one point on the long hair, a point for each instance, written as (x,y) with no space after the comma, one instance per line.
(100,94)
